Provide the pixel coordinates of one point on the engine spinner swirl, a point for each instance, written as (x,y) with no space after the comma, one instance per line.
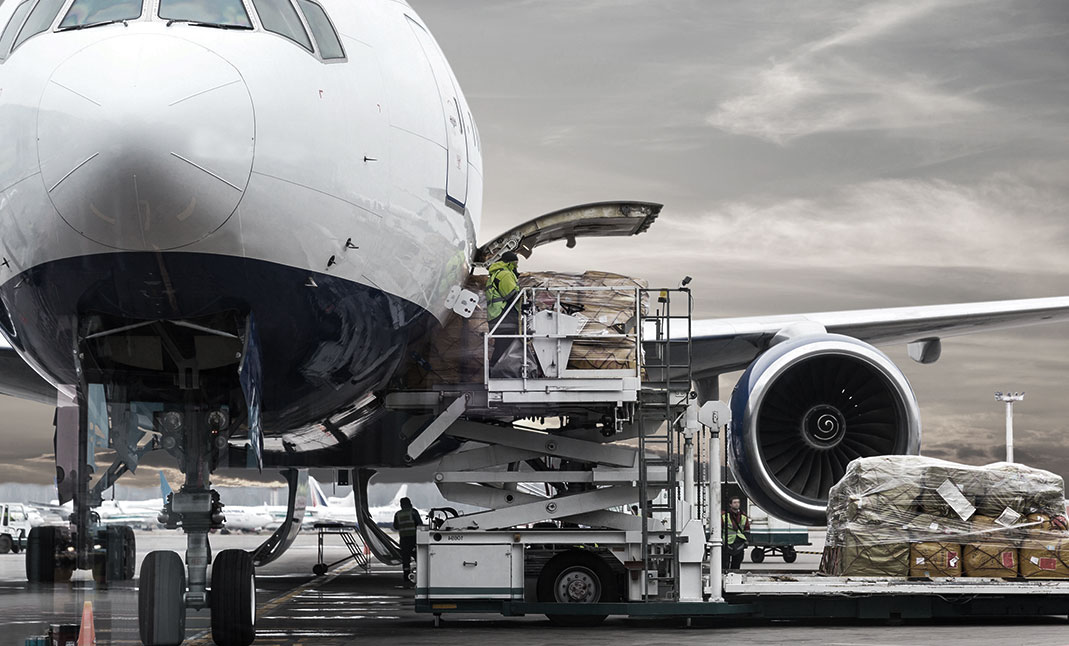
(823,426)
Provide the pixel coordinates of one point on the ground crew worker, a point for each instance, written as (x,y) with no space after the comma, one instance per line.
(405,521)
(502,287)
(736,527)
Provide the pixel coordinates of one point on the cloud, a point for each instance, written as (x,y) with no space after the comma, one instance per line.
(826,85)
(904,222)
(1003,223)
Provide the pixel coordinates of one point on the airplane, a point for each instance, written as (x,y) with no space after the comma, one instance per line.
(247,519)
(246,220)
(325,509)
(343,510)
(143,514)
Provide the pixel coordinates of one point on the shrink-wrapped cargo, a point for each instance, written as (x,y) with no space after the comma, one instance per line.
(949,489)
(863,557)
(454,354)
(1021,488)
(931,506)
(933,560)
(990,560)
(1045,555)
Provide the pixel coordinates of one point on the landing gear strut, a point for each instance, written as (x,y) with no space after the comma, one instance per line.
(198,510)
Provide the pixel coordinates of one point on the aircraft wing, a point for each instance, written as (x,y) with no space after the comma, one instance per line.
(724,345)
(727,344)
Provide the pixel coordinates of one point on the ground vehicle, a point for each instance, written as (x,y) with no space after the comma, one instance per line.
(771,536)
(14,526)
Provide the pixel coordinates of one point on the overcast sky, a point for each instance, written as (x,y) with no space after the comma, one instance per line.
(810,155)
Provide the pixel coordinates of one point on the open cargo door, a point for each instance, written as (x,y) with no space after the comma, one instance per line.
(588,220)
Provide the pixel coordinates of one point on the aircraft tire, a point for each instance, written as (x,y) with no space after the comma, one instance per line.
(589,572)
(161,607)
(6,544)
(118,557)
(41,555)
(129,547)
(233,599)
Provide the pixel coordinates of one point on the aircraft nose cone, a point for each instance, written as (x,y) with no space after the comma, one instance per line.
(146,141)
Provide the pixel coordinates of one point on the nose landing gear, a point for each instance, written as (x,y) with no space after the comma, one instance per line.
(166,590)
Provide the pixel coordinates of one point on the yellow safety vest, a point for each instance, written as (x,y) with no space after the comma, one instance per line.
(406,521)
(732,533)
(501,287)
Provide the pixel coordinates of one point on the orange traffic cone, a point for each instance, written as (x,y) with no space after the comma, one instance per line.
(87,636)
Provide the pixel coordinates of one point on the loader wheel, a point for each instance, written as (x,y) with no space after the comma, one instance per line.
(577,577)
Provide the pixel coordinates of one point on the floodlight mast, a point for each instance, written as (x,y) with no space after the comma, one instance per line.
(1009,398)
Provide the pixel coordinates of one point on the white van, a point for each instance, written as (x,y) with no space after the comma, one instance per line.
(14,526)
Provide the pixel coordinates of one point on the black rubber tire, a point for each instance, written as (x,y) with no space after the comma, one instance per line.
(757,555)
(129,547)
(790,555)
(586,564)
(117,559)
(41,554)
(6,544)
(233,599)
(161,607)
(319,569)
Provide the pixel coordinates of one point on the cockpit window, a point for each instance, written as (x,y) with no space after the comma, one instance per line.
(327,39)
(215,13)
(41,18)
(13,26)
(86,13)
(280,17)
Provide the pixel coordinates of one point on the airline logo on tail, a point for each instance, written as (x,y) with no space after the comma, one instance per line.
(165,489)
(318,498)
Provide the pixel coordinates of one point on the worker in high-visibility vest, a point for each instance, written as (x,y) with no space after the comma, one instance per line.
(502,287)
(405,521)
(736,528)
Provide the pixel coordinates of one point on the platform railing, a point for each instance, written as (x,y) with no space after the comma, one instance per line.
(567,326)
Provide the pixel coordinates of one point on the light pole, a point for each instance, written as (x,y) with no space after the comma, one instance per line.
(1008,399)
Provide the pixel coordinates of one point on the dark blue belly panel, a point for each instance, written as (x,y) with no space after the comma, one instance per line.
(325,341)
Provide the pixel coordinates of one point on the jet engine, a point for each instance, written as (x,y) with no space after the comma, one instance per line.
(807,407)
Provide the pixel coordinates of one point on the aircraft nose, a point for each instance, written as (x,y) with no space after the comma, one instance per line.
(146,141)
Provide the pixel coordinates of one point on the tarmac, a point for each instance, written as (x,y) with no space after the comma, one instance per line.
(349,606)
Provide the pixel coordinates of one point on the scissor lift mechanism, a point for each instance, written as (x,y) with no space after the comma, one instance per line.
(557,536)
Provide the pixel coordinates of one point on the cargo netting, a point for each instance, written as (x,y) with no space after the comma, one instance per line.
(911,516)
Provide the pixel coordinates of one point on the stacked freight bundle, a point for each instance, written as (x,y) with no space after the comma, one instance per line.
(909,516)
(455,353)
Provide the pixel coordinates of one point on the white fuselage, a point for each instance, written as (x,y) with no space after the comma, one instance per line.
(143,154)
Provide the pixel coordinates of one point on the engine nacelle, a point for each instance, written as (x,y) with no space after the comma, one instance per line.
(807,407)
